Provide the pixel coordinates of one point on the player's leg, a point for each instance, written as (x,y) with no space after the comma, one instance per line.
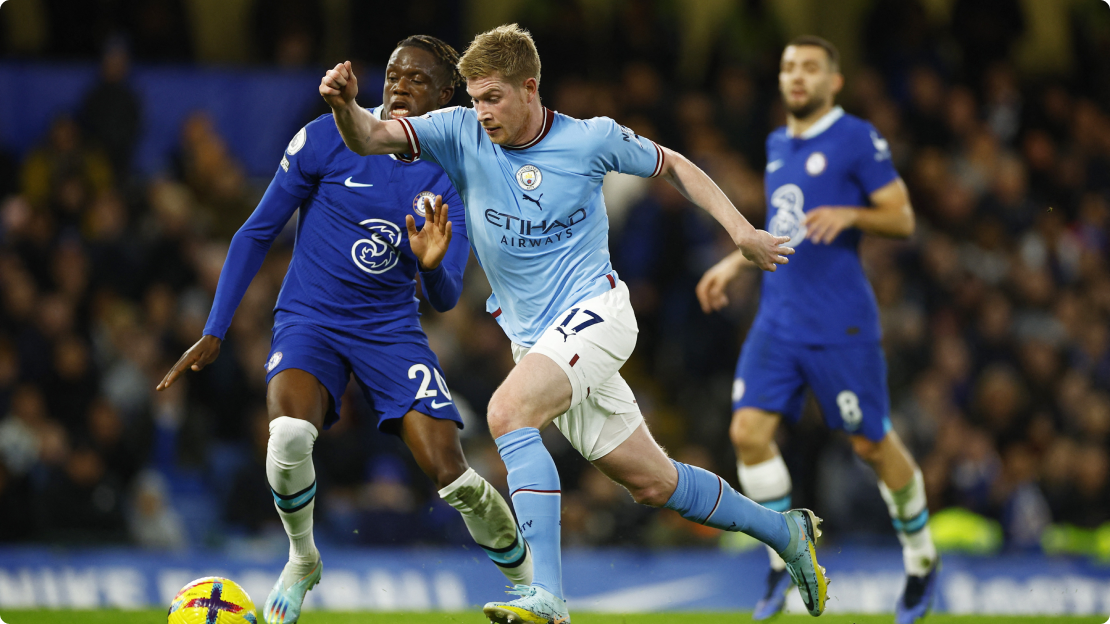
(587,346)
(641,466)
(769,384)
(297,403)
(653,479)
(533,394)
(435,445)
(903,488)
(765,479)
(850,384)
(305,380)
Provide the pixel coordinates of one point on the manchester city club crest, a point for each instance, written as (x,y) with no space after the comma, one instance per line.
(418,202)
(528,177)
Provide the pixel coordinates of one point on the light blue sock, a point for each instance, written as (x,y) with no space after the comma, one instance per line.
(705,498)
(534,489)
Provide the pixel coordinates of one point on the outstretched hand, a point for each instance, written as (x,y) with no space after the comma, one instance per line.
(201,354)
(339,86)
(712,289)
(765,251)
(429,245)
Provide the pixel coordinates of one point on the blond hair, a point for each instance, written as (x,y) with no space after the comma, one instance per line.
(506,50)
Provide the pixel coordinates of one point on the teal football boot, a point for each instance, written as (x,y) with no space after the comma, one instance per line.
(801,559)
(536,605)
(283,605)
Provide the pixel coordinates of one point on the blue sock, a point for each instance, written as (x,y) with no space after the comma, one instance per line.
(534,489)
(705,498)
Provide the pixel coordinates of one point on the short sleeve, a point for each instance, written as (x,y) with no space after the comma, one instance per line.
(456,212)
(435,136)
(622,150)
(873,166)
(299,173)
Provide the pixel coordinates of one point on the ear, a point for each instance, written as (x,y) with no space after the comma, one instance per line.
(445,95)
(837,83)
(531,88)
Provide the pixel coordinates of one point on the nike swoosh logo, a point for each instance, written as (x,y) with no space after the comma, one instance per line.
(436,405)
(774,166)
(348,182)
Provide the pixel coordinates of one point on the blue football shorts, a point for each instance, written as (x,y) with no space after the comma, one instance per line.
(848,380)
(396,377)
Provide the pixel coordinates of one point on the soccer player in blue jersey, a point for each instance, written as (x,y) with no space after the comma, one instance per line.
(530,180)
(348,306)
(829,180)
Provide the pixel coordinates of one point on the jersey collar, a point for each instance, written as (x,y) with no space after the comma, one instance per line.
(548,120)
(824,123)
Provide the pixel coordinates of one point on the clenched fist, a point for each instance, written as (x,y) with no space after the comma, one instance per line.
(339,86)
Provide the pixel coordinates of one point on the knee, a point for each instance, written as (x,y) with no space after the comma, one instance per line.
(447,472)
(501,416)
(867,450)
(747,438)
(653,493)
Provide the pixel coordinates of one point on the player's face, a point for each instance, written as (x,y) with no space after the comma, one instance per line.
(806,80)
(502,107)
(413,85)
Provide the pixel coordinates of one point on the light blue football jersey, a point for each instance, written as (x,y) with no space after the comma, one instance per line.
(534,212)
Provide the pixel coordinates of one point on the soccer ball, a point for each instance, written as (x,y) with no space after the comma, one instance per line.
(212,600)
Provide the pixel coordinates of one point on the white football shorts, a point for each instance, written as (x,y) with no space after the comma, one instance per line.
(590,342)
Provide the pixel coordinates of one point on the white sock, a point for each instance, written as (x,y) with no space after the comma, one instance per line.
(491,524)
(768,483)
(293,482)
(910,513)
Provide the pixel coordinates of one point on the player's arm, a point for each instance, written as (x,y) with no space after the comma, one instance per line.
(244,258)
(759,247)
(713,286)
(890,214)
(362,132)
(440,255)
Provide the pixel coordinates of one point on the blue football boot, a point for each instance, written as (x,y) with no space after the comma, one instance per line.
(283,605)
(536,605)
(917,597)
(801,559)
(772,602)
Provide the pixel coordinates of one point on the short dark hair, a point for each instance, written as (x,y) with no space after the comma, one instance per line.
(820,42)
(446,56)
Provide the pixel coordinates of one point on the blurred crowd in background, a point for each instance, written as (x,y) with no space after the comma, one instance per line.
(995,313)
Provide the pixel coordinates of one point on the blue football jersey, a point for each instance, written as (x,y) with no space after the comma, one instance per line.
(822,295)
(536,214)
(353,266)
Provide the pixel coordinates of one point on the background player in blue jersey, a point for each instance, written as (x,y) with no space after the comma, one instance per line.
(829,179)
(348,306)
(530,179)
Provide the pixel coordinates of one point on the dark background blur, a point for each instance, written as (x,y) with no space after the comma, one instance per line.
(995,314)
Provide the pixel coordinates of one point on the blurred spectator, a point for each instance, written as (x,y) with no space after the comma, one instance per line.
(111,110)
(64,173)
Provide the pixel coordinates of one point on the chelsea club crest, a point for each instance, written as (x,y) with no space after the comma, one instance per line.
(418,202)
(528,177)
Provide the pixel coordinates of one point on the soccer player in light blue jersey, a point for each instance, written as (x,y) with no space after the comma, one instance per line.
(348,306)
(829,180)
(530,179)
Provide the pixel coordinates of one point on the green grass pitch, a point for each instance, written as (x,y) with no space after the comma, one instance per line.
(43,616)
